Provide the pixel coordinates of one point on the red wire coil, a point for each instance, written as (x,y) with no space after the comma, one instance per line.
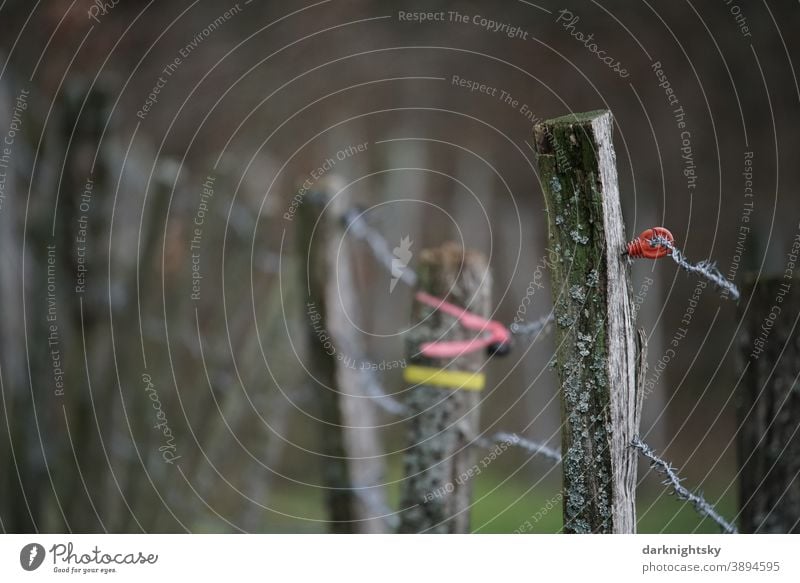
(643,248)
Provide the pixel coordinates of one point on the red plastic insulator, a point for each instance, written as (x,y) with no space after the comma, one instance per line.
(642,247)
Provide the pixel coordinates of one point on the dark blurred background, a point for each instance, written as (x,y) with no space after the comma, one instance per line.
(263,93)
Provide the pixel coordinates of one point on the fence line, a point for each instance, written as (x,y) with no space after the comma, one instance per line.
(354,220)
(701,505)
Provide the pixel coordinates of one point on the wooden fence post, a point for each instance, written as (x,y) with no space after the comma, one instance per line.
(436,491)
(769,408)
(353,463)
(596,354)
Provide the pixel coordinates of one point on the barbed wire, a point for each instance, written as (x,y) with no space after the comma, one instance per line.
(386,402)
(394,407)
(531,328)
(707,269)
(382,250)
(701,505)
(528,445)
(354,219)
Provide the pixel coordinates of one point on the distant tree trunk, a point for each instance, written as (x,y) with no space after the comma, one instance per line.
(769,408)
(437,490)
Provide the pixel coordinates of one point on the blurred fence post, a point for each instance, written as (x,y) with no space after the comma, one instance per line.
(440,463)
(352,465)
(596,354)
(61,474)
(19,439)
(769,408)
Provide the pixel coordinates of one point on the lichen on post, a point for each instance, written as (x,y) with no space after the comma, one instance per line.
(596,342)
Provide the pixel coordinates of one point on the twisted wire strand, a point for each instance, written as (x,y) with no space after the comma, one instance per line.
(707,269)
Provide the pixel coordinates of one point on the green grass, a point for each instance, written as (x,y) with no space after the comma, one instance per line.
(506,508)
(503,507)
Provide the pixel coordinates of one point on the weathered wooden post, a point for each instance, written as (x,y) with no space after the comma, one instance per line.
(596,354)
(353,463)
(769,408)
(444,396)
